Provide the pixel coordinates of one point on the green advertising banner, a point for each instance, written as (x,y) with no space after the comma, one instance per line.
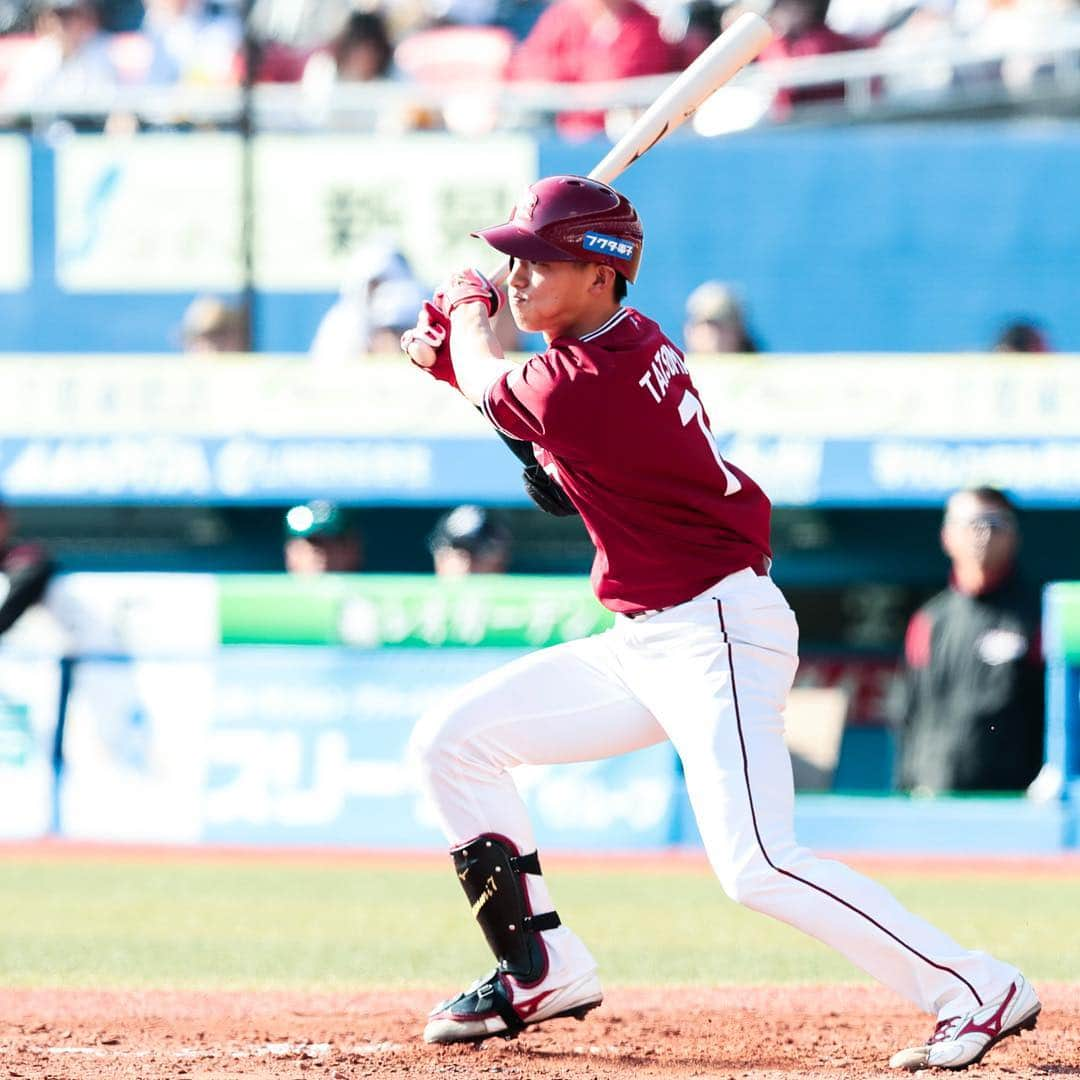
(1061,622)
(421,611)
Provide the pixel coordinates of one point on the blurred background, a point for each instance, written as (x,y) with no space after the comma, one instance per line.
(244,542)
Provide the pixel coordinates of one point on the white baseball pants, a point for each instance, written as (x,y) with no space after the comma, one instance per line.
(712,675)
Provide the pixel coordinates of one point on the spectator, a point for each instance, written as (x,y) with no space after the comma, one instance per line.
(469,540)
(321,538)
(359,52)
(394,308)
(867,18)
(801,31)
(345,332)
(25,569)
(69,60)
(210,325)
(592,41)
(971,693)
(715,322)
(189,44)
(1022,336)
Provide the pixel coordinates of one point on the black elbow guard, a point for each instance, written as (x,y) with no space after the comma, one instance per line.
(546,493)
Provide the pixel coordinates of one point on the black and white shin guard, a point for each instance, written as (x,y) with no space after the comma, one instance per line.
(490,871)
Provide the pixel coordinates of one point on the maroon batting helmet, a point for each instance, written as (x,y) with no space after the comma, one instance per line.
(572,219)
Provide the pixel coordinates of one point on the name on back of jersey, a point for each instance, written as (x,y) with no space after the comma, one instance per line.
(667,363)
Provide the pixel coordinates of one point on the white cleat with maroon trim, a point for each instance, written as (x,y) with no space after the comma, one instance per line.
(501,1005)
(497,1006)
(960,1041)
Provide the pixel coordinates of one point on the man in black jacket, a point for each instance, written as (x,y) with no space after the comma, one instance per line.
(971,709)
(25,569)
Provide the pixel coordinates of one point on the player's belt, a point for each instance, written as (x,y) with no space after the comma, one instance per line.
(761,568)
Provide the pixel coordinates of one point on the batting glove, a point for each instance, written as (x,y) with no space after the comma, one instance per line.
(467,287)
(432,329)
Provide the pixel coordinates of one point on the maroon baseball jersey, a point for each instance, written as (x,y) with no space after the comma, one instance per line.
(616,420)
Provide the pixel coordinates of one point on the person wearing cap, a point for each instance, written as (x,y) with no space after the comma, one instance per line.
(702,649)
(469,540)
(715,322)
(210,325)
(1022,336)
(320,538)
(969,703)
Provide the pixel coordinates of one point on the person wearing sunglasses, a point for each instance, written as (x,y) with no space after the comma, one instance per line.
(970,707)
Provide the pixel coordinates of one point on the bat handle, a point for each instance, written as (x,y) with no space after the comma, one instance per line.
(498,279)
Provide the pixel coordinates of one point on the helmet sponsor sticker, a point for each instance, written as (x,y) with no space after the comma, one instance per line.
(607,245)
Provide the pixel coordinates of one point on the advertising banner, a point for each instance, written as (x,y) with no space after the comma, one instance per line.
(311,747)
(157,213)
(29,709)
(163,212)
(404,610)
(254,470)
(427,192)
(14,213)
(294,746)
(812,430)
(155,616)
(227,398)
(797,401)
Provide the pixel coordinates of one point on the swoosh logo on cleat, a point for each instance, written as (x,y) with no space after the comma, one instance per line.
(527,1008)
(992,1025)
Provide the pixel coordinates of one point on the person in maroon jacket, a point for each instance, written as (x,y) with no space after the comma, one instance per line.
(702,651)
(801,30)
(592,41)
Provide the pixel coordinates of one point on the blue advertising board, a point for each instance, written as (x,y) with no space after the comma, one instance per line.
(294,746)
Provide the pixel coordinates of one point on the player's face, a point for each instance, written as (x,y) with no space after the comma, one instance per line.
(979,533)
(550,297)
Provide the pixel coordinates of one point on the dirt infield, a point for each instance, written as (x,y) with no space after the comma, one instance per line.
(731,1032)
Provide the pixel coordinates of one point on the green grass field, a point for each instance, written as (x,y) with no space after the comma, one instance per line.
(187,923)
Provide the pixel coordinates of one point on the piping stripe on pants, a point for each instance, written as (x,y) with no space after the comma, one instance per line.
(788,873)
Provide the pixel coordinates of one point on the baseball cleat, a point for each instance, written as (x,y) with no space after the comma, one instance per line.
(960,1041)
(497,1006)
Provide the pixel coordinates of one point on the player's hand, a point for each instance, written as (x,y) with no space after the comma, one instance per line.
(467,287)
(427,344)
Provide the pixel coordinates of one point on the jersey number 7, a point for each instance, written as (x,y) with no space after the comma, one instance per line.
(690,409)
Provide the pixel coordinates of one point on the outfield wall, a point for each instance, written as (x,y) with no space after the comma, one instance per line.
(267,711)
(870,238)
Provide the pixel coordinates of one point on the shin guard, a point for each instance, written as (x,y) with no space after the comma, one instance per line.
(489,869)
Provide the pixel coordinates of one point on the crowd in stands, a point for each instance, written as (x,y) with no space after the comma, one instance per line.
(69,48)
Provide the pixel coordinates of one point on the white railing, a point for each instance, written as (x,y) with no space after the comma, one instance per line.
(890,79)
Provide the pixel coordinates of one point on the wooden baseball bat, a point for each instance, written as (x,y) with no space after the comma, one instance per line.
(718,64)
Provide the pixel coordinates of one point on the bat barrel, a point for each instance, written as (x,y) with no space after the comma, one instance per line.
(718,64)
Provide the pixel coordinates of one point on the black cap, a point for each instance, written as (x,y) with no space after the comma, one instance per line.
(468,528)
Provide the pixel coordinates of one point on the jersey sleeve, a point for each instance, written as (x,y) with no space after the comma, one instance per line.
(544,401)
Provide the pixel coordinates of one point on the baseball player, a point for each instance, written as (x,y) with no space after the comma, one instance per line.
(702,652)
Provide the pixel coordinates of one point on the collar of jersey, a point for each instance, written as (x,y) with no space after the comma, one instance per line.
(610,324)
